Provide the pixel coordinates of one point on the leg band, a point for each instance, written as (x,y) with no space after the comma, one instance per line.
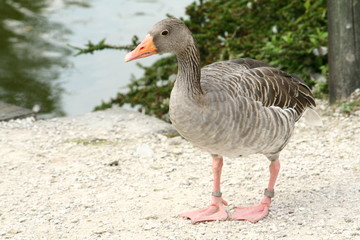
(269,193)
(216,194)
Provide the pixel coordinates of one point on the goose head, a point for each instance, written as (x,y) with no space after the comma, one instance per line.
(167,36)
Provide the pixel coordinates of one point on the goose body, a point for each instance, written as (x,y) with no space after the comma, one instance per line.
(235,115)
(228,108)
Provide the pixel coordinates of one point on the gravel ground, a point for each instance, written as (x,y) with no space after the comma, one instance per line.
(121,175)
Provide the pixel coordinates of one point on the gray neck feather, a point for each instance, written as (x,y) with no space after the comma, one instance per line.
(188,78)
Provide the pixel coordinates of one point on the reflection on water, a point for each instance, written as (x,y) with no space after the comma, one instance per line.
(38,68)
(30,59)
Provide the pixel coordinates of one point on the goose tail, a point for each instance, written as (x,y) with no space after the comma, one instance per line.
(312,118)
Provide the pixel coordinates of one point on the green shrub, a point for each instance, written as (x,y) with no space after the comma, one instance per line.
(283,33)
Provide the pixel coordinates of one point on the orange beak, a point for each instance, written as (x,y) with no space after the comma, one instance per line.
(144,49)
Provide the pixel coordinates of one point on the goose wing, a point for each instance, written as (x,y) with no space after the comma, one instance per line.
(259,82)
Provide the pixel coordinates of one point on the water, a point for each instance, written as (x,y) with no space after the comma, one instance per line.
(37,66)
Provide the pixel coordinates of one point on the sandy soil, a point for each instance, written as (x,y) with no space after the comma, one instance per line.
(122,175)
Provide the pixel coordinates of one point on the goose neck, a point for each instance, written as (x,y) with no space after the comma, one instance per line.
(188,78)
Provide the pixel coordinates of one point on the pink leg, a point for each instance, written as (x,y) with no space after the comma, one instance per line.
(256,213)
(216,210)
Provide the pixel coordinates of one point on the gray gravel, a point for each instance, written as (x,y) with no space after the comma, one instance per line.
(121,175)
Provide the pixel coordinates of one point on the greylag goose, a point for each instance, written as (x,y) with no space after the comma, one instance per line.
(229,108)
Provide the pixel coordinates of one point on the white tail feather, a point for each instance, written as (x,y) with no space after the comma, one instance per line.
(312,118)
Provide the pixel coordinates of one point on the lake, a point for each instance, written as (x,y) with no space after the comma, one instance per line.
(38,67)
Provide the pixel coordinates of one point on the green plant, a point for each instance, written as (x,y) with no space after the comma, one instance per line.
(91,47)
(352,104)
(283,33)
(348,108)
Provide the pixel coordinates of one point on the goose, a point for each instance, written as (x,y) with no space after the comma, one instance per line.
(229,108)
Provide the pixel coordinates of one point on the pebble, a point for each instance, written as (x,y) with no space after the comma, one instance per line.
(144,151)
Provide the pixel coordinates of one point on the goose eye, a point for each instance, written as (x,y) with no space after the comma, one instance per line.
(165,32)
